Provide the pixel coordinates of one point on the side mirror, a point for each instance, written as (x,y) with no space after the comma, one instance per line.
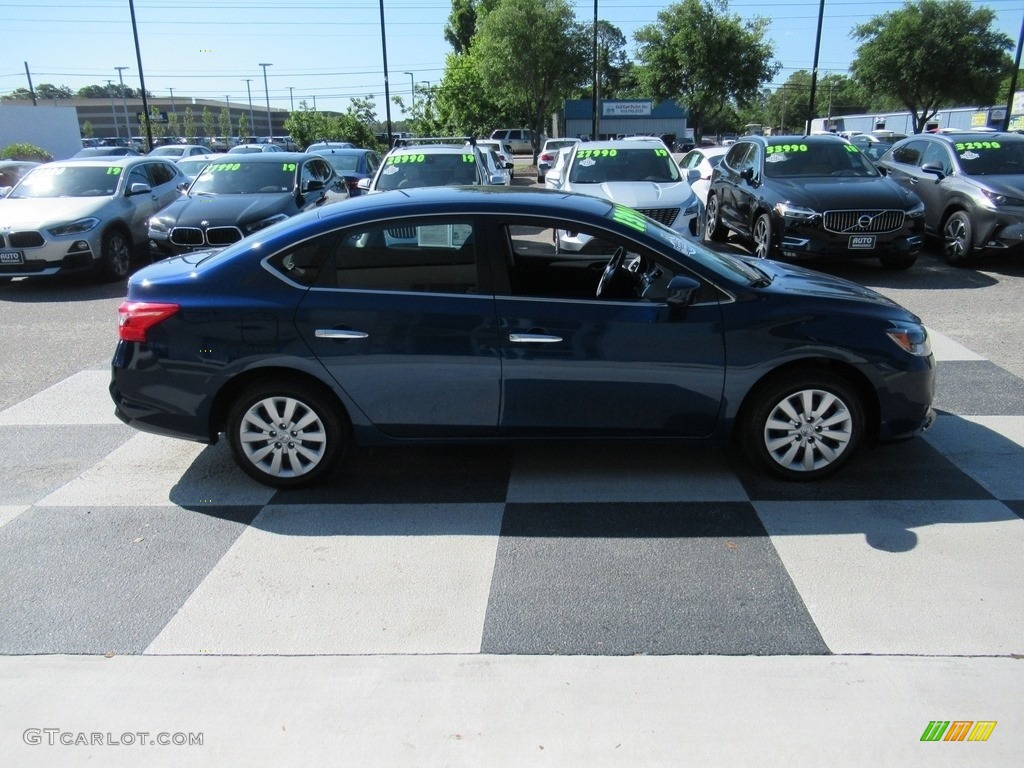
(553,176)
(313,185)
(509,166)
(691,175)
(682,290)
(934,169)
(364,184)
(747,174)
(139,188)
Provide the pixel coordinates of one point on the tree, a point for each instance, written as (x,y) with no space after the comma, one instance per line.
(461,25)
(224,122)
(157,128)
(209,126)
(18,94)
(464,105)
(87,130)
(48,91)
(93,92)
(930,54)
(189,124)
(705,58)
(243,127)
(531,54)
(173,127)
(305,125)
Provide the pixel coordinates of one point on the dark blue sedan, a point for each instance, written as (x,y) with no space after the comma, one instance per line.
(448,314)
(351,162)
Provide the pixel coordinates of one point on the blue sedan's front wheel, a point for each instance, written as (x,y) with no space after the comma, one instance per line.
(804,425)
(284,435)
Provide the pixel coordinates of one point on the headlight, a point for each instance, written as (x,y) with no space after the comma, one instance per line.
(911,338)
(1001,200)
(796,212)
(916,212)
(158,226)
(75,227)
(263,223)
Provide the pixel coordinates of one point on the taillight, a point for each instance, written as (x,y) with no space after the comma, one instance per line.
(135,318)
(547,158)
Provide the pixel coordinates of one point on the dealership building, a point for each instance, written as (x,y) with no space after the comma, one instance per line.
(628,117)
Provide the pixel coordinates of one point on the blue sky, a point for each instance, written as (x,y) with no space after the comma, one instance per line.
(332,49)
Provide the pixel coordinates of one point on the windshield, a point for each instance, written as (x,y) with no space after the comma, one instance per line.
(595,166)
(69,181)
(241,178)
(789,160)
(341,163)
(410,170)
(990,158)
(734,268)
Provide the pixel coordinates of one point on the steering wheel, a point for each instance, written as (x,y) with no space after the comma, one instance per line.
(614,264)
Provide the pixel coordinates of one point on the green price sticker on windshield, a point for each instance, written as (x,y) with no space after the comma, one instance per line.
(962,146)
(225,167)
(468,158)
(630,218)
(661,152)
(597,153)
(786,148)
(288,166)
(400,159)
(851,148)
(113,171)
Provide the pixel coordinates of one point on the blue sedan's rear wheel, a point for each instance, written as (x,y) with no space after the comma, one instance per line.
(803,426)
(285,435)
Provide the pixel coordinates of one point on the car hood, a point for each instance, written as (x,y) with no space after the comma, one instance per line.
(844,192)
(191,210)
(639,194)
(792,279)
(39,212)
(1010,184)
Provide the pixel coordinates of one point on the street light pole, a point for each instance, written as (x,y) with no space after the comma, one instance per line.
(174,109)
(270,125)
(252,120)
(291,98)
(113,112)
(124,101)
(412,91)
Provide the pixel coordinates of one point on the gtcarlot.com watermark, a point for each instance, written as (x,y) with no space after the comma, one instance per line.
(58,737)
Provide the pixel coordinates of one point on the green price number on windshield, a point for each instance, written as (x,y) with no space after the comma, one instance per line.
(113,171)
(468,158)
(786,148)
(225,166)
(288,166)
(597,153)
(965,145)
(630,218)
(400,159)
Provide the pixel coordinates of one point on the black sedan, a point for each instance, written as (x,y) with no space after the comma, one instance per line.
(242,194)
(812,196)
(972,185)
(351,162)
(445,314)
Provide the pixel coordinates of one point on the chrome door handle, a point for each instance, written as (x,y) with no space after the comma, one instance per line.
(534,338)
(337,333)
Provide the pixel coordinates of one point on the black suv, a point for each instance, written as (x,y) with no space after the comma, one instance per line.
(812,196)
(972,185)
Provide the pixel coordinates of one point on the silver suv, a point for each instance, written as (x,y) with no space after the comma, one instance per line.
(83,215)
(437,162)
(520,139)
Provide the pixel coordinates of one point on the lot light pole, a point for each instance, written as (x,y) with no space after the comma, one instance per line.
(174,109)
(252,120)
(412,91)
(113,112)
(291,98)
(124,101)
(266,91)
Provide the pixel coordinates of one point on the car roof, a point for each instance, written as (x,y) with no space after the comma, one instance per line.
(622,143)
(960,137)
(107,161)
(429,149)
(268,157)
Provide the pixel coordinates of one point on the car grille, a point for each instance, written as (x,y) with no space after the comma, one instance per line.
(223,235)
(666,216)
(187,236)
(859,222)
(26,239)
(402,233)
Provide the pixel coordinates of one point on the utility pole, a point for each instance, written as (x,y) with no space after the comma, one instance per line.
(173,108)
(113,112)
(124,101)
(270,125)
(252,120)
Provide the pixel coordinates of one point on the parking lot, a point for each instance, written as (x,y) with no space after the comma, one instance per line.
(642,605)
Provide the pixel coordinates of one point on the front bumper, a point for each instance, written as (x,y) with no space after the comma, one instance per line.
(807,240)
(56,255)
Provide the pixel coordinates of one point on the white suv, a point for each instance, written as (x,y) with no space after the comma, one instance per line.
(430,163)
(520,139)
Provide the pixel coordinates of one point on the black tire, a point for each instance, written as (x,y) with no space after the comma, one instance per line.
(958,239)
(713,227)
(802,426)
(540,179)
(762,237)
(304,416)
(897,261)
(115,256)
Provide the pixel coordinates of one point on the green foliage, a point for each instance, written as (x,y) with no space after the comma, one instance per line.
(156,128)
(704,58)
(224,122)
(87,130)
(530,54)
(23,151)
(173,124)
(930,54)
(243,126)
(308,125)
(463,105)
(209,125)
(461,25)
(189,124)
